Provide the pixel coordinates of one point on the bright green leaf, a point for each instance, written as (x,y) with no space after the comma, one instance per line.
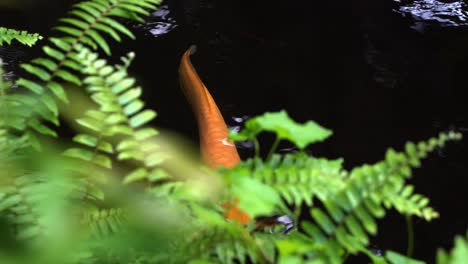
(142,118)
(67,76)
(30,85)
(397,258)
(285,128)
(136,175)
(247,190)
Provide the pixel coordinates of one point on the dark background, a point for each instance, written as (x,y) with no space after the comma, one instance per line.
(357,67)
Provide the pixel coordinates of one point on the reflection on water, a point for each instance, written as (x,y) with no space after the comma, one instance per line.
(381,64)
(239,120)
(426,12)
(288,150)
(160,22)
(249,145)
(11,56)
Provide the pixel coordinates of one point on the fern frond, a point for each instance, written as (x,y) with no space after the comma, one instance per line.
(227,243)
(87,26)
(7,35)
(18,204)
(105,221)
(211,238)
(296,177)
(99,147)
(120,114)
(32,199)
(90,19)
(116,130)
(349,216)
(11,114)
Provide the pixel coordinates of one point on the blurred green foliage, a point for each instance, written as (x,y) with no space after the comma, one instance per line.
(121,192)
(458,255)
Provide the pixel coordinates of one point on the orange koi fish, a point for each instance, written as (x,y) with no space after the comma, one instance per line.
(215,148)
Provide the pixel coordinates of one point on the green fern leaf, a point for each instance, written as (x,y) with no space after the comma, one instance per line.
(119,27)
(85,6)
(99,40)
(53,53)
(92,141)
(134,8)
(50,65)
(50,103)
(120,12)
(136,175)
(69,30)
(67,76)
(130,95)
(62,43)
(42,74)
(145,133)
(58,91)
(142,118)
(105,222)
(133,107)
(121,85)
(73,65)
(75,22)
(322,219)
(101,7)
(396,258)
(80,14)
(108,30)
(9,202)
(42,129)
(85,155)
(36,88)
(148,4)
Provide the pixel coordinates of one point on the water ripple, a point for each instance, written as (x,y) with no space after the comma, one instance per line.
(429,12)
(240,120)
(160,22)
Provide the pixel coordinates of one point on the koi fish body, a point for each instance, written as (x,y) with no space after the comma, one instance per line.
(216,150)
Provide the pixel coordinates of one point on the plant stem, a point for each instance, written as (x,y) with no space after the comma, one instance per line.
(410,231)
(256,148)
(273,148)
(297,213)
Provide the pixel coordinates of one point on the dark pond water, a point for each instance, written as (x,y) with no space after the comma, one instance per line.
(377,72)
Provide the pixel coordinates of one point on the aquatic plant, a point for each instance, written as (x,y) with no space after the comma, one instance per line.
(122,193)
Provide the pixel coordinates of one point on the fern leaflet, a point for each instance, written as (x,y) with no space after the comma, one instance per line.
(7,35)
